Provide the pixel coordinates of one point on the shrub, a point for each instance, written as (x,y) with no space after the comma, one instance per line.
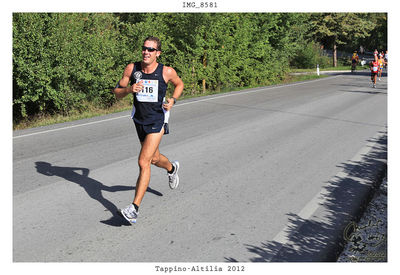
(61,60)
(306,57)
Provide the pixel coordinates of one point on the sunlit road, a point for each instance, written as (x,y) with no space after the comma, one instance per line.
(252,163)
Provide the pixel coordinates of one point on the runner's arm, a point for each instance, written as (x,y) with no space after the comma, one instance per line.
(122,89)
(171,75)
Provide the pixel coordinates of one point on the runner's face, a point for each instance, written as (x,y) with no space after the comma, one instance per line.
(150,57)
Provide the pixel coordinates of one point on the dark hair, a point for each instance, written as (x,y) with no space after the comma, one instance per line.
(155,39)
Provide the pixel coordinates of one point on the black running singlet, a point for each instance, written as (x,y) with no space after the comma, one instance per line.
(147,104)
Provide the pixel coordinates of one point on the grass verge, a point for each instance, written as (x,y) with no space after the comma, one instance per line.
(338,68)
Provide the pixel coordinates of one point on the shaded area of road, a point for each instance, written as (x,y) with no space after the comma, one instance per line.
(322,236)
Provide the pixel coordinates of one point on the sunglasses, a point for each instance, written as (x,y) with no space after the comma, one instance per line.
(150,49)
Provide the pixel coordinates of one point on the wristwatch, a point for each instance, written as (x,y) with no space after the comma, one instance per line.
(174,100)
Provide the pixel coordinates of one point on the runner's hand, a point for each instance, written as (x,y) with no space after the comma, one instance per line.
(168,106)
(137,87)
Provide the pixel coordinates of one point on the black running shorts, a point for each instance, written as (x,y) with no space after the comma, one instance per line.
(144,130)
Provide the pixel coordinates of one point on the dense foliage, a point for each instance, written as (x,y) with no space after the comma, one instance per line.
(61,61)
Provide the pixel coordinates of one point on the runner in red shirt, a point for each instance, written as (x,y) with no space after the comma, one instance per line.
(374,66)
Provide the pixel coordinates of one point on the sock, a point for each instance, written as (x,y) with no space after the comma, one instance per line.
(172,170)
(136,207)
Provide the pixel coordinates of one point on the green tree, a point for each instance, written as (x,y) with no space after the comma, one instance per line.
(62,62)
(340,28)
(378,35)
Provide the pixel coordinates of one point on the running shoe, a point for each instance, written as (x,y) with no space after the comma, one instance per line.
(174,178)
(129,213)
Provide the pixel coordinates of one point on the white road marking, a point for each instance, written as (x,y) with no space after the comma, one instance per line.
(320,199)
(69,127)
(182,104)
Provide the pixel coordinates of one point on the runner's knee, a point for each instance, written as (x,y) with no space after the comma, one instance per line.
(155,159)
(144,162)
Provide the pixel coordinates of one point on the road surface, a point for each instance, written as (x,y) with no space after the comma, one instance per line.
(254,165)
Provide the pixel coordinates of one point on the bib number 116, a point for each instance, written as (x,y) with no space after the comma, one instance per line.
(148,90)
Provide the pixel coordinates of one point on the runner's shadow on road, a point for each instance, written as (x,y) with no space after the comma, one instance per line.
(375,92)
(366,88)
(92,187)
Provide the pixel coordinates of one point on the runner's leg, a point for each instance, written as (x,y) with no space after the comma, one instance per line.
(149,148)
(161,161)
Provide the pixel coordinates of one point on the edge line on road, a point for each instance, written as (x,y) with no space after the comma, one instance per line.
(283,237)
(182,104)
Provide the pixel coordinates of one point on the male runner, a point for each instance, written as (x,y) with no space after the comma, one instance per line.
(374,66)
(381,62)
(386,57)
(149,80)
(354,61)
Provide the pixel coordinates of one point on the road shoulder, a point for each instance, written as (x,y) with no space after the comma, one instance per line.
(318,232)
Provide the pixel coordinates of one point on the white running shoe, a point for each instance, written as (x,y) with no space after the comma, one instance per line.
(174,178)
(129,213)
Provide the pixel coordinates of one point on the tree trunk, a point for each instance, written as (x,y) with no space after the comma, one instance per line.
(334,54)
(204,65)
(193,77)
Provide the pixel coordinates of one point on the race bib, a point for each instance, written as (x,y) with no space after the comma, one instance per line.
(375,69)
(149,92)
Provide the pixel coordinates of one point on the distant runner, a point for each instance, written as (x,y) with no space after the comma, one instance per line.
(374,66)
(386,58)
(381,62)
(354,61)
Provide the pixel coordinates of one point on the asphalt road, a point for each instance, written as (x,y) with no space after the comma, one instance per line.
(253,166)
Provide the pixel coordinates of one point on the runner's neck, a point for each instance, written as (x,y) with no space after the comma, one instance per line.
(149,69)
